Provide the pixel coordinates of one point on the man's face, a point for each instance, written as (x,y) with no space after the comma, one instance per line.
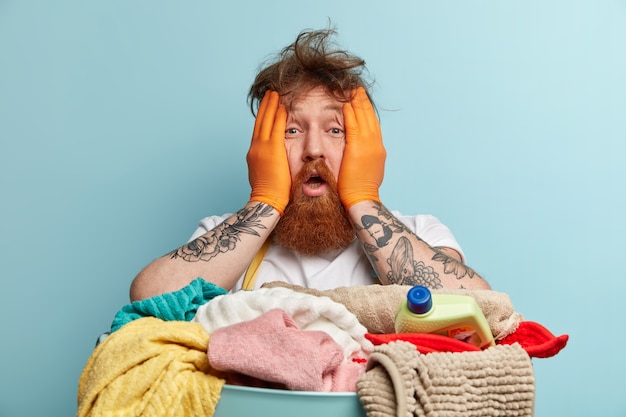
(315,131)
(314,221)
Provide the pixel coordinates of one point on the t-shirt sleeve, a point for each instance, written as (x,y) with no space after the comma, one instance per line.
(431,230)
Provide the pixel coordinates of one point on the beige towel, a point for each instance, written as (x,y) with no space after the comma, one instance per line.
(150,367)
(375,305)
(401,382)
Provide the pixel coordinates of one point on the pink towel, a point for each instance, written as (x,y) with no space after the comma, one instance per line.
(272,348)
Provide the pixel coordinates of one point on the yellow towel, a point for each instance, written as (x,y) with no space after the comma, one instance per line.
(150,367)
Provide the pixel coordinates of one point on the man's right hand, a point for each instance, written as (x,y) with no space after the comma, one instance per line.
(268,169)
(363,164)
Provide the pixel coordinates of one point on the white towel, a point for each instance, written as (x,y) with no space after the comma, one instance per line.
(308,312)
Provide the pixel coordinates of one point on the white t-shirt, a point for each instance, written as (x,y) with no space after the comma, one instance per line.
(348,267)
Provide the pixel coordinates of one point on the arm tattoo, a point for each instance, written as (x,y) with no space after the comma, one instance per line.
(381,228)
(452,266)
(369,252)
(405,270)
(224,237)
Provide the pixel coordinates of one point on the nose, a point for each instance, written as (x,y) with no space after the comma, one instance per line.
(313,146)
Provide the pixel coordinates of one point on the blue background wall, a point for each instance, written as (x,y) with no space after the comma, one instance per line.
(122,123)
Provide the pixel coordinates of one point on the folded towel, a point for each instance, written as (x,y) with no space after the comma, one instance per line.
(375,306)
(309,312)
(401,382)
(177,305)
(150,368)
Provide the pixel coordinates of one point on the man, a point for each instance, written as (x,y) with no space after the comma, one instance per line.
(316,162)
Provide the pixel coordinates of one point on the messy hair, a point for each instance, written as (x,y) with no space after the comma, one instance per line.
(311,61)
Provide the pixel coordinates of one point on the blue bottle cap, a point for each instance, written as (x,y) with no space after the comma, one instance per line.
(419,300)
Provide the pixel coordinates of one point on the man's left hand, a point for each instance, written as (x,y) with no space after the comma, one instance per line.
(363,164)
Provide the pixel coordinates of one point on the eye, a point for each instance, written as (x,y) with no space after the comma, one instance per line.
(336,132)
(291,133)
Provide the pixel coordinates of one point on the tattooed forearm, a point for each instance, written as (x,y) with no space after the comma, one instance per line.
(410,260)
(224,237)
(381,227)
(405,270)
(452,266)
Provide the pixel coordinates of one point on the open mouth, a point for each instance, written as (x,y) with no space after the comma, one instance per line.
(315,178)
(315,181)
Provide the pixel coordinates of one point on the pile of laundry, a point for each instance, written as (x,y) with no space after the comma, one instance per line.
(171,354)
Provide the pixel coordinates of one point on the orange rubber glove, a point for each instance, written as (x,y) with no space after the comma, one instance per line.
(363,164)
(268,169)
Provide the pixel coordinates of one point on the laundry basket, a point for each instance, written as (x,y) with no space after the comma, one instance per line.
(237,401)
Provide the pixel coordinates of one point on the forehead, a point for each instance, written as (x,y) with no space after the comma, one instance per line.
(317,100)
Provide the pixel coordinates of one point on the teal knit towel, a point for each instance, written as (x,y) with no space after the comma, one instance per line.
(178,305)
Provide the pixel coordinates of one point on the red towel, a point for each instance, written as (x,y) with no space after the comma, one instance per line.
(535,339)
(538,341)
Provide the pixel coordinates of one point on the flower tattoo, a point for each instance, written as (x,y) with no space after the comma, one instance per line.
(225,237)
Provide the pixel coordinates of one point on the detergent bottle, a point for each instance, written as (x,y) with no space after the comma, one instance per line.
(453,315)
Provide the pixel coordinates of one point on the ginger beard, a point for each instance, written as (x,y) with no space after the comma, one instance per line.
(314,225)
